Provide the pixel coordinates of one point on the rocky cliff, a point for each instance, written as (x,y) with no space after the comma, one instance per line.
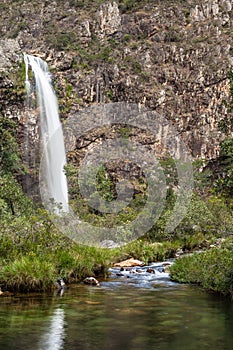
(170,56)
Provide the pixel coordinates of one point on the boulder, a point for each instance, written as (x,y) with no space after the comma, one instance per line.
(91,281)
(129,263)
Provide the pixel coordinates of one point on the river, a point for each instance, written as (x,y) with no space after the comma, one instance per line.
(139,311)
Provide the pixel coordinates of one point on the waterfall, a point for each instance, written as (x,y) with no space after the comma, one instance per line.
(52,141)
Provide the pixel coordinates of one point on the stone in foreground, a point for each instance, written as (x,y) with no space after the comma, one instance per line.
(91,281)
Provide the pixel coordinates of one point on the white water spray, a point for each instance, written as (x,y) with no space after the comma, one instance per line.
(52,141)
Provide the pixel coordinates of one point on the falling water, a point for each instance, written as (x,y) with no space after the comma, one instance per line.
(52,142)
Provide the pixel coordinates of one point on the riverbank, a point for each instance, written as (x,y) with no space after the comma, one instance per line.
(39,272)
(212,269)
(36,266)
(123,311)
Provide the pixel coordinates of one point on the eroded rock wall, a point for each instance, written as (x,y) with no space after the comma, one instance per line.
(169,56)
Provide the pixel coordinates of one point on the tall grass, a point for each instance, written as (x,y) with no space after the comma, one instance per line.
(148,252)
(28,273)
(213,270)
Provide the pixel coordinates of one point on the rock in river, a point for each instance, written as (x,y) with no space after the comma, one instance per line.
(91,281)
(129,263)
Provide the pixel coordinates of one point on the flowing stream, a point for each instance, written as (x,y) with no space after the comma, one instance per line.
(53,184)
(138,311)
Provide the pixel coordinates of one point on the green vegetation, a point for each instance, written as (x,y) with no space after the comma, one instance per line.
(213,270)
(173,35)
(124,5)
(28,274)
(33,254)
(224,183)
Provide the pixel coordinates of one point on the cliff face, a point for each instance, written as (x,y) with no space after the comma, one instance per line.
(170,56)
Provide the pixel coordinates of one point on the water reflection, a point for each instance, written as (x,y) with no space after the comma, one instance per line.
(53,339)
(111,317)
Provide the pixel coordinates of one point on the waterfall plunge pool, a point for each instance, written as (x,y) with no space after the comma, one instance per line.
(122,313)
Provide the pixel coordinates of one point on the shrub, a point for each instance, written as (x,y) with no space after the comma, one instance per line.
(213,270)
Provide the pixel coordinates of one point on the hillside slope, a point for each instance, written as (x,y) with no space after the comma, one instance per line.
(173,57)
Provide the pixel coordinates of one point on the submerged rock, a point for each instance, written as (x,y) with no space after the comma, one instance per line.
(150,270)
(161,269)
(119,274)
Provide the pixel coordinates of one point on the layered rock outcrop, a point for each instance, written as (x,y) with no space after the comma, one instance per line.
(172,57)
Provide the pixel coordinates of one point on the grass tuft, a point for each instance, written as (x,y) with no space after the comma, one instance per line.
(28,273)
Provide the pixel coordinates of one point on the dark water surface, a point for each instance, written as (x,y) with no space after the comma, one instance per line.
(141,312)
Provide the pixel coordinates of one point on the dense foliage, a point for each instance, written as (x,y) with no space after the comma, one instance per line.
(213,270)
